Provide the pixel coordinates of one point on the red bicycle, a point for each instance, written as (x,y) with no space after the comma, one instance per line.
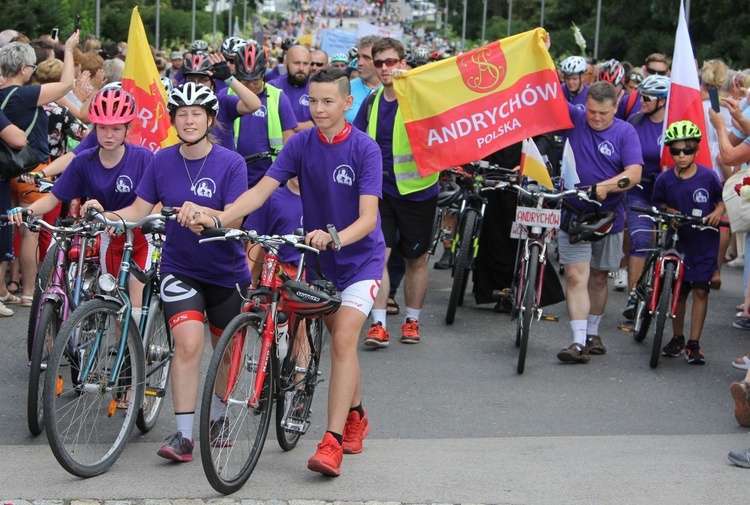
(257,361)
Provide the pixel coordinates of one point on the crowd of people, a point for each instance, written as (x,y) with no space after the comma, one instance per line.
(232,101)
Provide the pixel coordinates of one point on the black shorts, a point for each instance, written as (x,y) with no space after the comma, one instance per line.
(687,287)
(186,299)
(407,225)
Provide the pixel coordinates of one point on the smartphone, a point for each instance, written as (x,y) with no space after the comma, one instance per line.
(77,22)
(713,95)
(55,33)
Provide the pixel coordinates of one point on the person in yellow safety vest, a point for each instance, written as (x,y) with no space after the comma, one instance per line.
(268,128)
(409,201)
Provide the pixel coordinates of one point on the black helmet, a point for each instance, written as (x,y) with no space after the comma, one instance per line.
(591,227)
(304,300)
(231,45)
(289,42)
(197,64)
(250,62)
(449,194)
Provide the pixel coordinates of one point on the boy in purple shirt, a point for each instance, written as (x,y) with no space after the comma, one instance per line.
(690,189)
(338,164)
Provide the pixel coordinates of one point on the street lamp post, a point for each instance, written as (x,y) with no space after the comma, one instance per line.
(598,22)
(98,17)
(484,20)
(510,14)
(192,31)
(541,19)
(463,29)
(158,16)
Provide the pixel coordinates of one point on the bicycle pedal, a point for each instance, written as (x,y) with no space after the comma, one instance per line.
(554,319)
(501,294)
(626,327)
(157,392)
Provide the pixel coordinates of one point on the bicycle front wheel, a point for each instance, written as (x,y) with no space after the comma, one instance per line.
(662,311)
(528,307)
(85,429)
(298,378)
(464,253)
(43,279)
(158,352)
(232,439)
(49,324)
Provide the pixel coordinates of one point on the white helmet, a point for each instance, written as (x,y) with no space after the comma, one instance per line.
(168,85)
(573,65)
(192,93)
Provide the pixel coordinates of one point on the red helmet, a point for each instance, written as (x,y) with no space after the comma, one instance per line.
(112,107)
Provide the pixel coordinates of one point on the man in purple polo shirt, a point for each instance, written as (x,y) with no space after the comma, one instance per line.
(295,84)
(606,150)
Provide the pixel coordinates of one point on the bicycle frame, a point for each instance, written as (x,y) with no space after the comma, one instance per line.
(669,256)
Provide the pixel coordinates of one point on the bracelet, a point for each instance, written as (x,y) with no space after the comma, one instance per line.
(217,223)
(229,81)
(42,173)
(67,50)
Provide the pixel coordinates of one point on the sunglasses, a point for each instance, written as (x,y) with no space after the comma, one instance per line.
(647,98)
(687,151)
(390,62)
(655,72)
(317,64)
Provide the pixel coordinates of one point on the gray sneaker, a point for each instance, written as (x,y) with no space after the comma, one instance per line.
(575,353)
(740,458)
(595,345)
(177,448)
(220,433)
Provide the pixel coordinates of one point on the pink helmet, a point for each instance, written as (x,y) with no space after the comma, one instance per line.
(112,107)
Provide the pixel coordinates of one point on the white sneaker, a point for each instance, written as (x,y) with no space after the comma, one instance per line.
(738,262)
(5,311)
(621,279)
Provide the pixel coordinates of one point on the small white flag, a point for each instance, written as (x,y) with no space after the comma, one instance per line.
(568,172)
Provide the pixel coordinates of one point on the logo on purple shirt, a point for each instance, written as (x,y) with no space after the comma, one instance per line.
(304,100)
(606,148)
(205,187)
(124,184)
(344,174)
(700,196)
(261,112)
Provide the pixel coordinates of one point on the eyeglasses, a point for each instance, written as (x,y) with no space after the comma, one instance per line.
(33,67)
(647,98)
(653,71)
(687,151)
(390,62)
(317,64)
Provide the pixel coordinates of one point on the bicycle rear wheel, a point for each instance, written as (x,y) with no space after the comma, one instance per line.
(230,449)
(528,307)
(462,263)
(43,279)
(643,291)
(86,431)
(662,311)
(49,325)
(158,352)
(298,378)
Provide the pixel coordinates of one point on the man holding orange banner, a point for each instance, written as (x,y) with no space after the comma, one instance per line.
(409,201)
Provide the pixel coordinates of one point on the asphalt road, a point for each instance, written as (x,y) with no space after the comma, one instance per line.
(452,422)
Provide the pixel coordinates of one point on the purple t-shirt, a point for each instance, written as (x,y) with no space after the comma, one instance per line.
(601,155)
(224,130)
(281,214)
(88,142)
(114,187)
(217,183)
(253,137)
(298,97)
(384,138)
(337,174)
(700,193)
(650,135)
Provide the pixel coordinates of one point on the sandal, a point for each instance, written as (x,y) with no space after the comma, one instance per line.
(13,290)
(124,401)
(739,391)
(26,300)
(742,363)
(740,307)
(392,309)
(10,299)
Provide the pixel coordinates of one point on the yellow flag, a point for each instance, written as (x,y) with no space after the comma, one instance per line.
(153,128)
(532,164)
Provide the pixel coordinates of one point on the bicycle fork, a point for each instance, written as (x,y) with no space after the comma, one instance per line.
(675,284)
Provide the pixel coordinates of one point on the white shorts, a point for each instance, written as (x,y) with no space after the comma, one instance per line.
(361,295)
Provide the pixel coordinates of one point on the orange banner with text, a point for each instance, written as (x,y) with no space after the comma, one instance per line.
(466,107)
(153,128)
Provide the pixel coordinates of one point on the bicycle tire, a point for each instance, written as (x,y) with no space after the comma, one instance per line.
(88,445)
(49,325)
(528,306)
(157,348)
(229,464)
(43,278)
(461,265)
(300,399)
(661,312)
(643,292)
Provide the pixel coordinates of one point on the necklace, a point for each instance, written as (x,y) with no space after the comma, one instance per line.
(197,176)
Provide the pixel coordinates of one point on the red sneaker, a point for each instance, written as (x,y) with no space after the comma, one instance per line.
(355,430)
(327,460)
(377,336)
(410,332)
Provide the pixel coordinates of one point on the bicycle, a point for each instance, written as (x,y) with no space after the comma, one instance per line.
(71,273)
(658,288)
(469,225)
(113,360)
(253,365)
(448,203)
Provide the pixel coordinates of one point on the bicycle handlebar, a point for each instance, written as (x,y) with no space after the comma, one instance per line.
(655,214)
(578,193)
(270,241)
(167,213)
(251,158)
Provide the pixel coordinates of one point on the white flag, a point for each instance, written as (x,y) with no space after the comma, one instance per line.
(568,172)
